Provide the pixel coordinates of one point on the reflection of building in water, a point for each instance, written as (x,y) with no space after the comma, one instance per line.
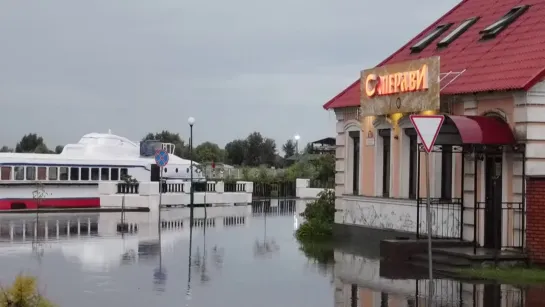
(94,239)
(274,206)
(454,294)
(30,227)
(378,287)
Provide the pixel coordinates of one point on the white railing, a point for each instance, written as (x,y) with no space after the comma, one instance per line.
(174,193)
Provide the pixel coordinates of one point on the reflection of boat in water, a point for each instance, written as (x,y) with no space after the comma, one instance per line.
(93,240)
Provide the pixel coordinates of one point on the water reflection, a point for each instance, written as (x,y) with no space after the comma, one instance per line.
(364,281)
(266,246)
(470,295)
(89,259)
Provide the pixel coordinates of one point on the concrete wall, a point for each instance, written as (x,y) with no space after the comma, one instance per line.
(303,189)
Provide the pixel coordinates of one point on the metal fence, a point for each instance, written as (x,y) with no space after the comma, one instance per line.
(509,219)
(446,216)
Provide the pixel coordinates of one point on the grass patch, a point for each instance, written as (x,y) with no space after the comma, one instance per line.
(512,275)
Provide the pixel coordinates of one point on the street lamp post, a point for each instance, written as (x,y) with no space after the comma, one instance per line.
(297,137)
(191,122)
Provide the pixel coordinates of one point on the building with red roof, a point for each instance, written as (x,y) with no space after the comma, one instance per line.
(482,66)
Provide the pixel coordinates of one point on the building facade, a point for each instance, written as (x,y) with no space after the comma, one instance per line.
(479,65)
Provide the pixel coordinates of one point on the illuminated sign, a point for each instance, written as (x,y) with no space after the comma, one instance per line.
(395,83)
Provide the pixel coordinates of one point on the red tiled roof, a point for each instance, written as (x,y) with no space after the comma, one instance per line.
(514,59)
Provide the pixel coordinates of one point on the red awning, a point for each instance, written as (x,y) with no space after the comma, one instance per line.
(486,130)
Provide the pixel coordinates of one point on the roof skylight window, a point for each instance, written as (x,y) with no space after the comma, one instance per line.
(457,32)
(494,29)
(423,43)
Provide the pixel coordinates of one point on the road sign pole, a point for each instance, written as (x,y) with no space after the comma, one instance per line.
(160,186)
(161,159)
(428,224)
(427,128)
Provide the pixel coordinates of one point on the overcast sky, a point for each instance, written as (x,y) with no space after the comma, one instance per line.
(71,67)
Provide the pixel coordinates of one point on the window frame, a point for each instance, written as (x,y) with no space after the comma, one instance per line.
(446,172)
(492,30)
(92,173)
(44,168)
(84,171)
(17,170)
(428,39)
(9,173)
(457,32)
(414,165)
(386,161)
(55,173)
(112,177)
(66,172)
(71,176)
(103,173)
(30,169)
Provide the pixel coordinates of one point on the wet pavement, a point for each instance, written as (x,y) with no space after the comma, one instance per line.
(234,256)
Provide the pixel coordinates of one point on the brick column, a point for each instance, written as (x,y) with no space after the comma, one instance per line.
(534,297)
(535,220)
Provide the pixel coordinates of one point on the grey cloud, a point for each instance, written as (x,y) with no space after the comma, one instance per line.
(71,67)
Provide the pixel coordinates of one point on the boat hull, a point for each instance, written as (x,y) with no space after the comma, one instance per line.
(49,196)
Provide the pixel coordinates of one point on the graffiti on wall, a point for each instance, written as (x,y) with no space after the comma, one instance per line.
(402,217)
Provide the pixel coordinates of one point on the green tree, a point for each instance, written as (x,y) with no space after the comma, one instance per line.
(268,152)
(165,136)
(6,149)
(259,150)
(208,152)
(29,143)
(325,168)
(309,149)
(254,146)
(289,148)
(59,148)
(235,152)
(41,148)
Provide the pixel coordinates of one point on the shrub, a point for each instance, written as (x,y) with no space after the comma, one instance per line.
(23,293)
(319,218)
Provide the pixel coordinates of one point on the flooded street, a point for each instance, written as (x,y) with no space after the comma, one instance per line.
(237,256)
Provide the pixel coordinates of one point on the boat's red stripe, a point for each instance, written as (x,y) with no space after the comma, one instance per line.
(7,204)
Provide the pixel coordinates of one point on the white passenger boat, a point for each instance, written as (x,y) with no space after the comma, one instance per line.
(70,179)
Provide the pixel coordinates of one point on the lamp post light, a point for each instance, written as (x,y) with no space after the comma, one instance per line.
(297,137)
(191,122)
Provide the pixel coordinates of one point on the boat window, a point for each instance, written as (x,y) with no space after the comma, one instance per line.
(63,173)
(165,169)
(53,173)
(30,173)
(124,173)
(19,172)
(42,173)
(6,173)
(104,173)
(176,170)
(74,173)
(84,173)
(114,175)
(94,173)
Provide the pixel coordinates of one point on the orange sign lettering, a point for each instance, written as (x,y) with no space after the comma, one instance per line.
(401,82)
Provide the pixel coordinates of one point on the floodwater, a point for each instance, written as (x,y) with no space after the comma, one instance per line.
(233,256)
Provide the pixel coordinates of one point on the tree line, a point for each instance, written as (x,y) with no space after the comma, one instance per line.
(252,151)
(32,143)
